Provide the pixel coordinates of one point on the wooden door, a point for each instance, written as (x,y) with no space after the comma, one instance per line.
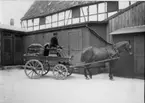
(75,41)
(18,50)
(139,54)
(75,44)
(7,51)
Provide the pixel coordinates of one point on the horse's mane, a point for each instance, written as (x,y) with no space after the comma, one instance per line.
(121,43)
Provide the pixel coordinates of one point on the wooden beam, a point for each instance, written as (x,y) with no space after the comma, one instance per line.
(96,62)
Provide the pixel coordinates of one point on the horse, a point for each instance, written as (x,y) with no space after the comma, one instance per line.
(93,54)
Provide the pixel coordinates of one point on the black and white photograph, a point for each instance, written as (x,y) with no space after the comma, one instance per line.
(72,51)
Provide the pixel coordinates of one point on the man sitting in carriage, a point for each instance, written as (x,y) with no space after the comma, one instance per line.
(53,45)
(54,41)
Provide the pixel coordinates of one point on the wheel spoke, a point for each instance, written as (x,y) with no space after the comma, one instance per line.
(36,68)
(31,64)
(30,72)
(36,65)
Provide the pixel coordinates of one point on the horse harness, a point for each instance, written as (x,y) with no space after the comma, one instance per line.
(116,52)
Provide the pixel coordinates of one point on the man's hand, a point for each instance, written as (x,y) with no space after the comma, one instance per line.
(60,47)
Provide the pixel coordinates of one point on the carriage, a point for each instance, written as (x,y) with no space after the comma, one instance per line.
(37,65)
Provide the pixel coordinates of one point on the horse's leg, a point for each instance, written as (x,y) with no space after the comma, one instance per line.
(110,70)
(85,72)
(88,70)
(90,74)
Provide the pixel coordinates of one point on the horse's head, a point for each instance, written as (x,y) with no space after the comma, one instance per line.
(128,48)
(124,46)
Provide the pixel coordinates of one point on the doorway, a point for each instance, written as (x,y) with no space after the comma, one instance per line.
(75,44)
(7,51)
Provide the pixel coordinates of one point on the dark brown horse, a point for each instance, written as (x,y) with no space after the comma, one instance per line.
(92,54)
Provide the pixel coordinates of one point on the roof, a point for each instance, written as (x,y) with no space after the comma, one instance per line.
(129,30)
(44,8)
(13,28)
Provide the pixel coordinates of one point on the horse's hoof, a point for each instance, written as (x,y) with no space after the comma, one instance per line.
(111,78)
(87,78)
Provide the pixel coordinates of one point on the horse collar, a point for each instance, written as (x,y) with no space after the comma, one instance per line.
(116,50)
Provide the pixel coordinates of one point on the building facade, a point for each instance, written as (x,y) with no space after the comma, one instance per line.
(129,25)
(11,45)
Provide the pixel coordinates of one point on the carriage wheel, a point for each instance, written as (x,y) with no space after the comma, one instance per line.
(60,71)
(33,69)
(46,68)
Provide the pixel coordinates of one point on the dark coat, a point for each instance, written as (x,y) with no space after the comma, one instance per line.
(54,42)
(46,50)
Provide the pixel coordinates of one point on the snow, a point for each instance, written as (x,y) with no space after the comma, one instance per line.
(15,87)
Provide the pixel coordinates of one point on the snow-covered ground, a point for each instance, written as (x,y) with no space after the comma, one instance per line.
(15,87)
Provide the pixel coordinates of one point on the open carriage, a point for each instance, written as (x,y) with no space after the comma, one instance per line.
(37,65)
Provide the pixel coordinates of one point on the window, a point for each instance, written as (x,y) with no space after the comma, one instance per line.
(112,6)
(48,19)
(24,24)
(60,23)
(61,16)
(84,11)
(123,4)
(93,18)
(92,9)
(54,18)
(83,19)
(112,13)
(76,12)
(42,26)
(132,2)
(7,34)
(48,25)
(30,28)
(102,17)
(36,24)
(68,21)
(36,27)
(30,23)
(75,20)
(102,8)
(42,21)
(68,14)
(54,24)
(36,21)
